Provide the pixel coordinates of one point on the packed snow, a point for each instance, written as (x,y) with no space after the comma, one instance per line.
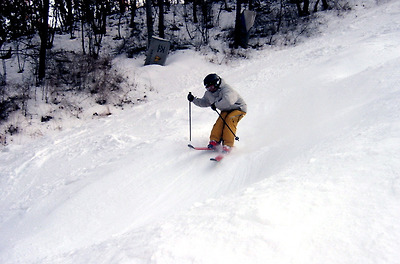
(315,177)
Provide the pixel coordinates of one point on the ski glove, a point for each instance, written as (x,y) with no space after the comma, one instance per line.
(190,97)
(213,107)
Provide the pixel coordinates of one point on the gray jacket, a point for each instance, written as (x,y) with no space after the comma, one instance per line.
(225,99)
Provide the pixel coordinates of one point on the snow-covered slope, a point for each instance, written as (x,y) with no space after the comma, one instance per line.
(313,179)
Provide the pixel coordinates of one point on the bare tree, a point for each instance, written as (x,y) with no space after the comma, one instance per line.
(303,11)
(149,19)
(133,14)
(65,9)
(43,6)
(195,3)
(4,55)
(95,15)
(238,24)
(161,26)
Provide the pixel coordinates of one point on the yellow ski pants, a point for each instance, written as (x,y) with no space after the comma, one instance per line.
(220,132)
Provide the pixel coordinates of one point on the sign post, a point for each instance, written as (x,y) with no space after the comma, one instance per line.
(158,51)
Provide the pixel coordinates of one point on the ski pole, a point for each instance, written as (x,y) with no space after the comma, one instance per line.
(236,137)
(190,119)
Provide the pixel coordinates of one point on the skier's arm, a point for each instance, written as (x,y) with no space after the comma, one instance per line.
(202,102)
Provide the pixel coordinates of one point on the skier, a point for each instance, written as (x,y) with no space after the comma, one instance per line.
(220,95)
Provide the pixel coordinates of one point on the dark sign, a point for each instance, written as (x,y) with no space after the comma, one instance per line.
(158,51)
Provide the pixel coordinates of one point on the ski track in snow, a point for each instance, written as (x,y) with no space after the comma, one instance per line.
(314,178)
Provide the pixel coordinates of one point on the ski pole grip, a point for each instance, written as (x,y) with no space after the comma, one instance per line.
(190,97)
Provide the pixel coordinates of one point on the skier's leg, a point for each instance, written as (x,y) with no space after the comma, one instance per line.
(216,132)
(232,119)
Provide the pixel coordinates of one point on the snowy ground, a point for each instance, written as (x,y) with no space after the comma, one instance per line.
(313,179)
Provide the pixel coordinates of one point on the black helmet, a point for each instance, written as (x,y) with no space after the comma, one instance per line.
(212,79)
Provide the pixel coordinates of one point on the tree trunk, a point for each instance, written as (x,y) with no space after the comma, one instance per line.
(70,18)
(306,6)
(133,14)
(237,24)
(303,11)
(161,19)
(43,33)
(195,19)
(149,19)
(206,19)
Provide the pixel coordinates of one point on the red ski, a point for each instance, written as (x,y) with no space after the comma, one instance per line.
(218,158)
(199,148)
